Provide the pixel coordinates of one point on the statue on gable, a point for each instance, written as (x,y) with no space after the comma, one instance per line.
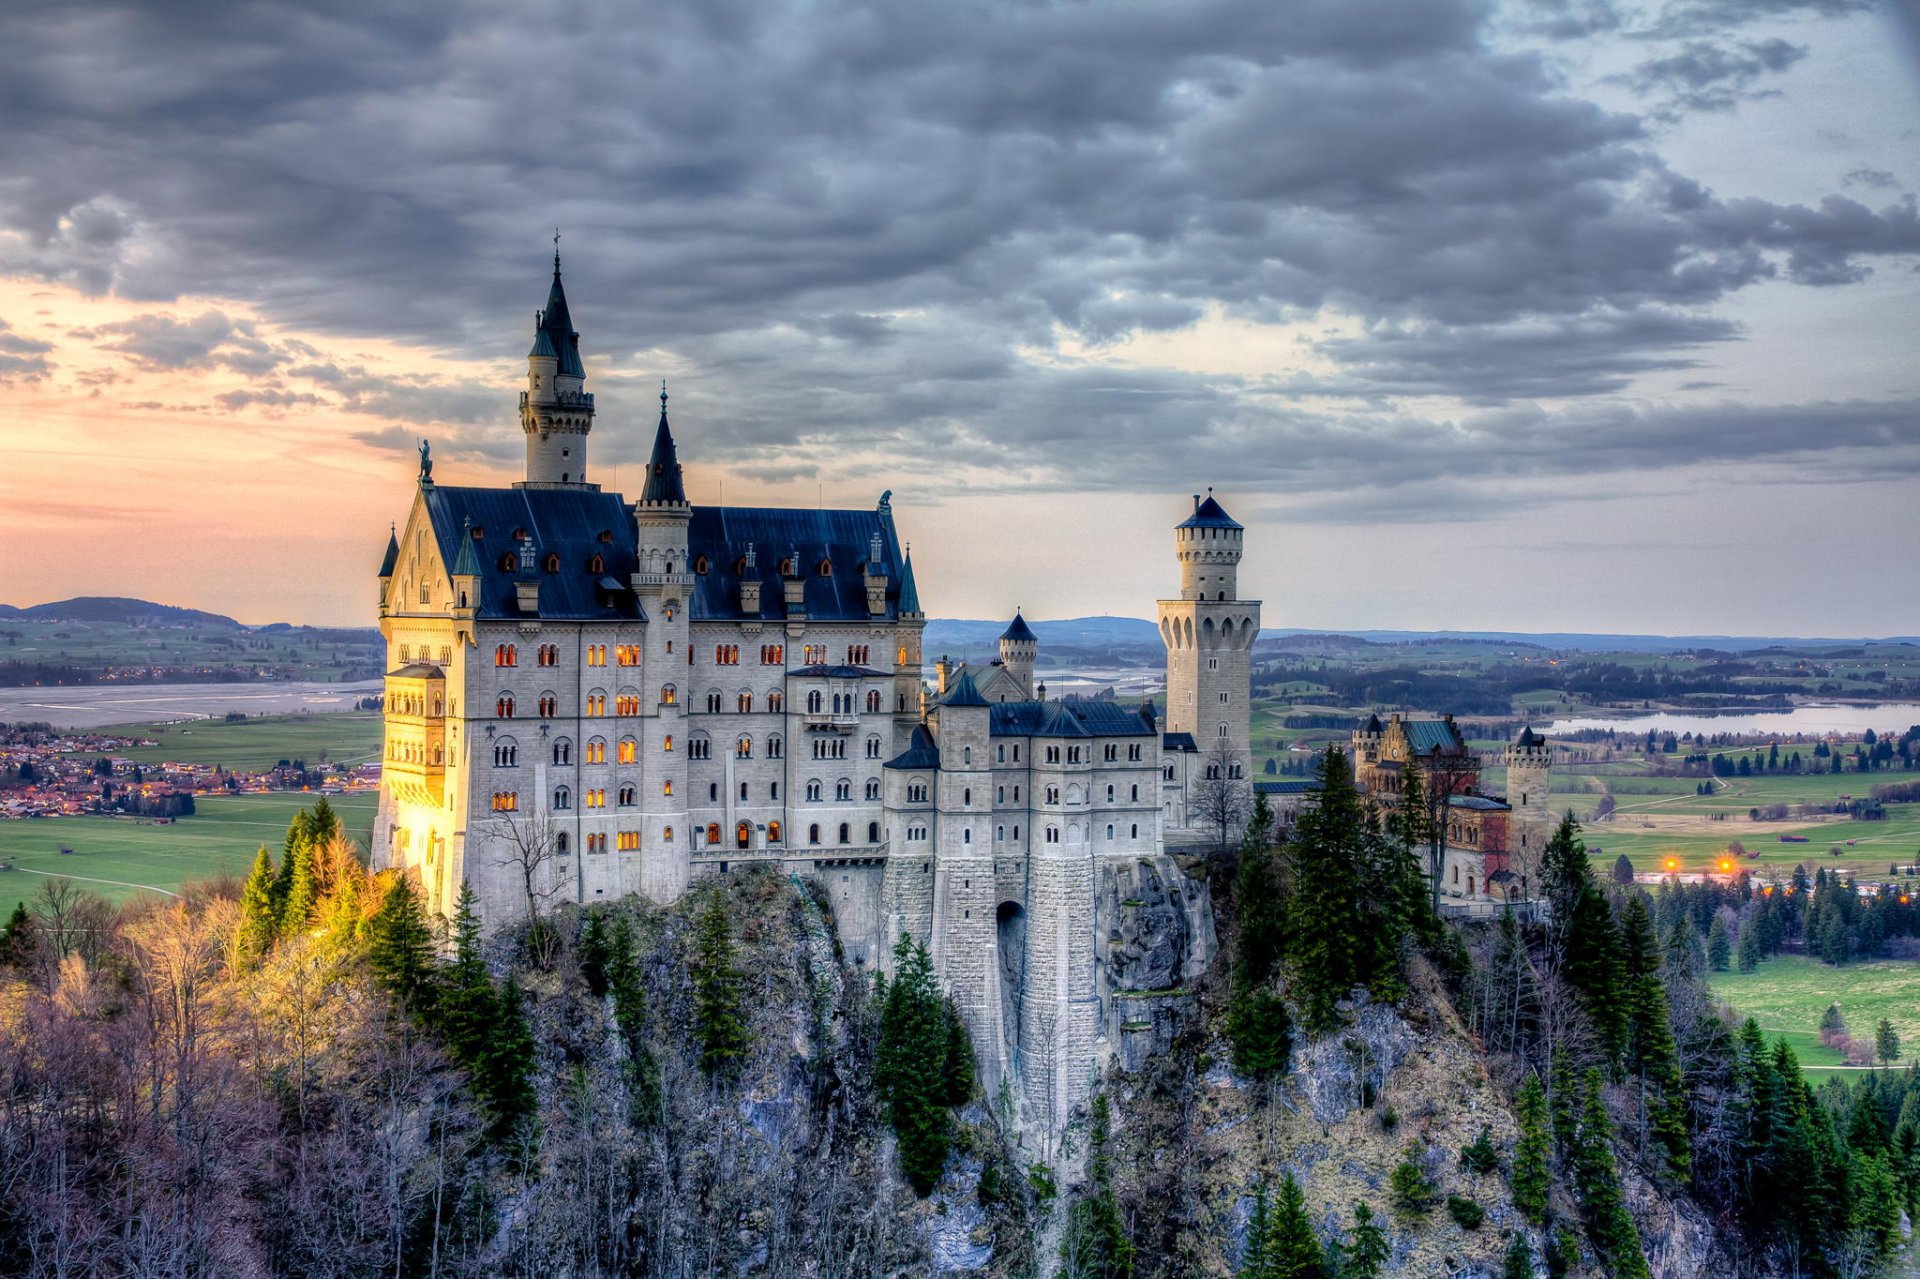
(426,461)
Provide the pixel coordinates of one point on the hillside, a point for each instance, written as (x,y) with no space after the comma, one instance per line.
(115,608)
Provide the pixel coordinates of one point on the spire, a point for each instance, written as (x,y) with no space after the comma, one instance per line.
(664,485)
(392,556)
(554,326)
(1019,631)
(909,593)
(466,564)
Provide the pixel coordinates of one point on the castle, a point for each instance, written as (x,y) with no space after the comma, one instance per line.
(589,698)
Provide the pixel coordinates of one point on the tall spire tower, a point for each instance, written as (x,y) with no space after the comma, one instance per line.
(1209,633)
(555,412)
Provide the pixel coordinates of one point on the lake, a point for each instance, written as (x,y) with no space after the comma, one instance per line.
(1850,720)
(94,705)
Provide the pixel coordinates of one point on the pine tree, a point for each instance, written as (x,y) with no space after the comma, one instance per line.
(1584,943)
(1258,1030)
(466,1007)
(910,1067)
(1367,1250)
(1747,951)
(593,953)
(1256,1254)
(1597,1185)
(1531,1176)
(1328,948)
(1096,1242)
(1718,951)
(1651,1051)
(623,983)
(507,1069)
(1564,1107)
(1257,1026)
(1296,1253)
(257,920)
(17,940)
(719,1020)
(1518,1263)
(400,946)
(296,910)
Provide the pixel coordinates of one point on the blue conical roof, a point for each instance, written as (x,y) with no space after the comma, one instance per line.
(466,564)
(909,593)
(392,556)
(1209,514)
(1019,631)
(554,335)
(663,468)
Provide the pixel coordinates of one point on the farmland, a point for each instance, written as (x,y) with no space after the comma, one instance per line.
(259,742)
(117,856)
(1787,995)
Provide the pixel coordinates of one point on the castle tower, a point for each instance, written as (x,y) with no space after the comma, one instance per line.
(1529,793)
(1019,646)
(663,581)
(555,413)
(964,885)
(1209,633)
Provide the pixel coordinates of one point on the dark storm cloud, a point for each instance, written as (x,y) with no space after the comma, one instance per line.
(854,222)
(159,342)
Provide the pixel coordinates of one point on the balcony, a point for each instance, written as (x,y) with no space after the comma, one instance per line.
(830,721)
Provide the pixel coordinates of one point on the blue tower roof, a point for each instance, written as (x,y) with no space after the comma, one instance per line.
(1019,631)
(1209,514)
(663,468)
(964,693)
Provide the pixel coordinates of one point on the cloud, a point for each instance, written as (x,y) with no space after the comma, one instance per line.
(1877,178)
(857,235)
(22,359)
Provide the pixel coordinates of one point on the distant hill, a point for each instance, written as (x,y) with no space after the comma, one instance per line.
(115,608)
(959,637)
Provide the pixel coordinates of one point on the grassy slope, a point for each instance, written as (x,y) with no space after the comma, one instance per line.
(1787,995)
(260,742)
(220,837)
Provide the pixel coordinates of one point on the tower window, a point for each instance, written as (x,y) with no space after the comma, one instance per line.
(552,564)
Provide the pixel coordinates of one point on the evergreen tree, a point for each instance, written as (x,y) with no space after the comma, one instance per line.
(1367,1250)
(400,946)
(296,910)
(506,1072)
(1296,1253)
(1564,1107)
(593,953)
(1256,1254)
(719,1020)
(1886,1042)
(623,983)
(1651,1052)
(1096,1245)
(258,923)
(1531,1176)
(1257,1025)
(1518,1263)
(1623,869)
(17,940)
(1718,951)
(910,1067)
(1597,1185)
(1325,918)
(1258,1030)
(340,911)
(467,1006)
(1584,944)
(1747,951)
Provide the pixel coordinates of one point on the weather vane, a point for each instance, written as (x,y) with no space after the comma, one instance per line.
(556,248)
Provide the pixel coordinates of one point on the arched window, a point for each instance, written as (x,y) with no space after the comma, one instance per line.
(846,833)
(562,751)
(596,750)
(744,703)
(630,750)
(813,792)
(873,788)
(966,835)
(597,564)
(1109,794)
(1109,830)
(776,748)
(562,799)
(560,843)
(773,832)
(743,749)
(843,789)
(813,833)
(549,706)
(776,701)
(743,835)
(966,796)
(873,701)
(629,795)
(552,563)
(713,833)
(1133,792)
(713,702)
(1133,832)
(873,832)
(667,694)
(813,702)
(503,706)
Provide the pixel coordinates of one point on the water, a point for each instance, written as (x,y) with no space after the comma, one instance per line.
(94,705)
(1812,720)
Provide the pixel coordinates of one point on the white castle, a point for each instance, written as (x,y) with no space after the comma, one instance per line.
(590,697)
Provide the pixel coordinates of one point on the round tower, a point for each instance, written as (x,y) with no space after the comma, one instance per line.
(556,414)
(1019,648)
(1209,633)
(1209,545)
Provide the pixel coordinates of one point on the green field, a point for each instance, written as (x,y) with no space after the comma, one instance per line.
(288,652)
(117,856)
(259,742)
(1788,994)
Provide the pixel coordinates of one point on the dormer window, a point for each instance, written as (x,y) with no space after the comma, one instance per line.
(552,564)
(700,565)
(506,562)
(826,568)
(598,564)
(786,568)
(479,532)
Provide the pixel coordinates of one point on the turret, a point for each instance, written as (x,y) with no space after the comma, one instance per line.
(387,562)
(1529,793)
(555,413)
(1209,545)
(1019,647)
(466,574)
(662,514)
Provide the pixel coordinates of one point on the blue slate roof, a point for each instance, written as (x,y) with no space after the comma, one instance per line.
(664,483)
(842,672)
(468,563)
(392,556)
(567,523)
(964,692)
(909,593)
(555,330)
(920,753)
(1372,725)
(721,534)
(1479,803)
(1068,719)
(1019,631)
(1179,742)
(1529,738)
(1426,736)
(1209,514)
(1288,786)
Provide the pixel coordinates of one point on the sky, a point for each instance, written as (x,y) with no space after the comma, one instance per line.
(1552,315)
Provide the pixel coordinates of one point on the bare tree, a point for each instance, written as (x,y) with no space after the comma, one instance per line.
(1221,798)
(531,846)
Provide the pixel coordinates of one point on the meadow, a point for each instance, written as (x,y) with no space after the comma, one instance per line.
(119,856)
(1788,994)
(286,652)
(259,742)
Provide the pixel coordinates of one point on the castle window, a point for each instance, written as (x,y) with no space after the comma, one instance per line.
(999,794)
(873,748)
(744,703)
(743,749)
(596,798)
(1016,794)
(713,702)
(1109,794)
(596,751)
(503,706)
(628,796)
(560,843)
(505,801)
(966,796)
(773,832)
(1053,834)
(666,787)
(813,792)
(667,694)
(846,833)
(562,799)
(713,792)
(773,791)
(826,568)
(506,756)
(628,840)
(1016,832)
(630,750)
(1016,757)
(813,702)
(813,833)
(626,704)
(816,654)
(699,748)
(1133,832)
(1109,830)
(563,751)
(873,701)
(700,565)
(773,654)
(1133,792)
(506,562)
(552,564)
(999,832)
(873,788)
(843,789)
(873,832)
(966,837)
(776,748)
(597,564)
(505,655)
(549,706)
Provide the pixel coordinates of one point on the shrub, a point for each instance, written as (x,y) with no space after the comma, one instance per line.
(1412,1191)
(1465,1211)
(1479,1156)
